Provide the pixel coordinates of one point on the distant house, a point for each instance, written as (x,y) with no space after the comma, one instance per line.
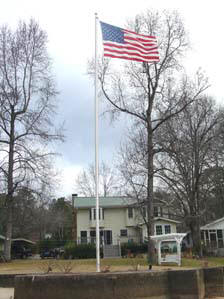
(120,220)
(212,235)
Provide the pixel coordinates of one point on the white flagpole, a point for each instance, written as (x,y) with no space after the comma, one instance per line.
(96,151)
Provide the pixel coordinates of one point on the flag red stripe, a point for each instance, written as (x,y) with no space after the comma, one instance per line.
(131,53)
(151,59)
(142,41)
(127,53)
(135,42)
(148,51)
(137,34)
(135,45)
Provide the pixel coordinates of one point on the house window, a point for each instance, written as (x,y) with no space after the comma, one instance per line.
(123,232)
(130,212)
(167,229)
(158,211)
(219,234)
(159,230)
(92,214)
(220,238)
(144,212)
(83,235)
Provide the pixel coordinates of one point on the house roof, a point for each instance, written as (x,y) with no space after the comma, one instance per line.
(213,223)
(18,239)
(23,240)
(163,219)
(166,219)
(110,201)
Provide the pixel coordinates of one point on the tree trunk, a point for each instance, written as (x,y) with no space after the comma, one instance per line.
(196,237)
(8,235)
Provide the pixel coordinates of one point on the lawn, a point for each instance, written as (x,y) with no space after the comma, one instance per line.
(121,264)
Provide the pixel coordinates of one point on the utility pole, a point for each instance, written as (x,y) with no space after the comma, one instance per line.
(74,219)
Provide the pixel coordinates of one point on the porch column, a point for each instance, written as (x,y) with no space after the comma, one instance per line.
(222,237)
(159,252)
(217,240)
(204,237)
(178,241)
(209,240)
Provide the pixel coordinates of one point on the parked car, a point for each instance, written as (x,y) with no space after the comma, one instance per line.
(59,251)
(48,253)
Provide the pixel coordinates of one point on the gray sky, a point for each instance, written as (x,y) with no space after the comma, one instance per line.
(70,28)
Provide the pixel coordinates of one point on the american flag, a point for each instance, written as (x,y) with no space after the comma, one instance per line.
(125,44)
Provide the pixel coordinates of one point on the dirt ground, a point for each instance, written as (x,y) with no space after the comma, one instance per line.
(62,266)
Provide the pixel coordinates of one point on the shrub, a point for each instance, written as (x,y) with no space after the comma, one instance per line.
(80,251)
(133,248)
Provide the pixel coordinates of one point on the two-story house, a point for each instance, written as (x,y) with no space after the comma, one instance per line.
(120,220)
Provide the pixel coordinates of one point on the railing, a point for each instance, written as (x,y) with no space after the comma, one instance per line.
(92,240)
(116,241)
(130,239)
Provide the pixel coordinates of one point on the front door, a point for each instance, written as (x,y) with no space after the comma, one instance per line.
(213,239)
(108,237)
(93,237)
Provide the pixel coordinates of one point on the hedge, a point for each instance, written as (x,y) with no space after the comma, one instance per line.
(133,248)
(80,251)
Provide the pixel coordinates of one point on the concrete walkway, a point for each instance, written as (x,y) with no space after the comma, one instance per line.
(6,293)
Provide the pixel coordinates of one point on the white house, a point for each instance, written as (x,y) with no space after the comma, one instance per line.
(120,220)
(212,234)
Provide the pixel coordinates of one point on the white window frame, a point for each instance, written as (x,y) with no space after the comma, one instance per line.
(157,226)
(93,214)
(167,225)
(124,235)
(132,212)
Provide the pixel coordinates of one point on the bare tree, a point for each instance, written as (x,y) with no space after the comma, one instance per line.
(108,181)
(143,91)
(60,214)
(27,93)
(189,141)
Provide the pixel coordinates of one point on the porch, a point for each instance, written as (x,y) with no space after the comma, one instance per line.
(212,239)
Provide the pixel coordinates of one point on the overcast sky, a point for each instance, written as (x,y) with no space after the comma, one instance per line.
(70,28)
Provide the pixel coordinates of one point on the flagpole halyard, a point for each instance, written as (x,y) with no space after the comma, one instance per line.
(97,149)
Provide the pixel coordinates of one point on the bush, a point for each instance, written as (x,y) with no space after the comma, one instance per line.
(80,251)
(133,248)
